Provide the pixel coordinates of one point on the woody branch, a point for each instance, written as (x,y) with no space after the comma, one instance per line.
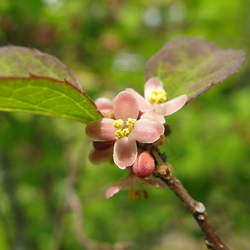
(197,209)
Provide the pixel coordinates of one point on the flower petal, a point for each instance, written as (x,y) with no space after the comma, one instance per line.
(102,130)
(125,152)
(125,106)
(104,105)
(173,105)
(112,191)
(143,104)
(153,83)
(153,116)
(147,131)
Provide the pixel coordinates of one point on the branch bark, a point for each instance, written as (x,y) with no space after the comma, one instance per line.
(197,209)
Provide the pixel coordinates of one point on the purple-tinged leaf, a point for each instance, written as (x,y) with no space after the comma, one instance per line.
(35,82)
(18,61)
(191,66)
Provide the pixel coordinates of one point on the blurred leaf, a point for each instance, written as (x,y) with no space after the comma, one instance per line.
(191,66)
(3,238)
(21,62)
(46,96)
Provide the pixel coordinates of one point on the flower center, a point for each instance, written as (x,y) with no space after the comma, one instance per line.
(123,128)
(157,96)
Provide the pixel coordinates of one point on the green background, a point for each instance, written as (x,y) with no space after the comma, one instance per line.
(106,44)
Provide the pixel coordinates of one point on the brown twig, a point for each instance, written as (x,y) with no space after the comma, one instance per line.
(198,210)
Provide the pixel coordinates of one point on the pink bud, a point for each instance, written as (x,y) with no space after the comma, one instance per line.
(144,165)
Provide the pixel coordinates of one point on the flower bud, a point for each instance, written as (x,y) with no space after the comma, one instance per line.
(99,156)
(101,145)
(144,165)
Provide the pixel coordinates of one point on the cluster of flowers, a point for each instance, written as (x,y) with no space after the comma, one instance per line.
(131,120)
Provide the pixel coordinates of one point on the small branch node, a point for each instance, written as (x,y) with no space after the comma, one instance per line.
(164,170)
(201,217)
(200,208)
(209,244)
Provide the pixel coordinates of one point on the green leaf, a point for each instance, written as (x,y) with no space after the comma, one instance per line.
(32,81)
(191,66)
(46,96)
(18,61)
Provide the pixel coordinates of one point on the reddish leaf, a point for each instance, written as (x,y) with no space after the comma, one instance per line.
(191,66)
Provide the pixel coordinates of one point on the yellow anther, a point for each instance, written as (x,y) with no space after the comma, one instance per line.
(126,131)
(122,130)
(130,122)
(157,96)
(118,124)
(119,133)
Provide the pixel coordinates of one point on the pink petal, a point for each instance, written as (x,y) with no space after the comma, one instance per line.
(104,105)
(125,152)
(153,116)
(153,83)
(102,130)
(125,183)
(173,105)
(147,131)
(112,191)
(143,104)
(125,106)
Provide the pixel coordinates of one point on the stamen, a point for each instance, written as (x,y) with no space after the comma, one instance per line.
(130,122)
(118,123)
(126,131)
(119,133)
(122,130)
(157,96)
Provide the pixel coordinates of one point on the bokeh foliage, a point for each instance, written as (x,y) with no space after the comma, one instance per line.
(106,43)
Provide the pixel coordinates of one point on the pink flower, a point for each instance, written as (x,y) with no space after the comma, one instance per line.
(125,129)
(155,105)
(105,106)
(132,181)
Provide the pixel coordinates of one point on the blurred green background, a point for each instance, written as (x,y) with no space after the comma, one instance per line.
(106,44)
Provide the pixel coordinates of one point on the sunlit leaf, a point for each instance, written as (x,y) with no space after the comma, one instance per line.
(21,62)
(46,96)
(32,81)
(191,66)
